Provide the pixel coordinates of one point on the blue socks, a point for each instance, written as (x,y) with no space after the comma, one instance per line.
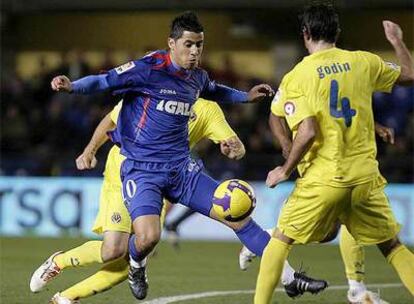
(253,237)
(133,252)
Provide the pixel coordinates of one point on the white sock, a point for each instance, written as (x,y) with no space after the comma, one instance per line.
(356,286)
(287,274)
(136,264)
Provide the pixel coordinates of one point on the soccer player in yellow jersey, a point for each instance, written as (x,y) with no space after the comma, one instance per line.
(113,220)
(326,101)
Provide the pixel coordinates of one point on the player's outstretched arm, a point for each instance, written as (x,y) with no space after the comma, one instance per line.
(304,138)
(61,83)
(87,159)
(224,94)
(394,35)
(260,92)
(281,131)
(86,85)
(233,148)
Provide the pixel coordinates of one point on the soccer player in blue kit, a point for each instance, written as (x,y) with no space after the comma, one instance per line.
(158,92)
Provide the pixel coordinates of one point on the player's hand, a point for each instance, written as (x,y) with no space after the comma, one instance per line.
(276,176)
(260,92)
(387,134)
(61,84)
(86,160)
(233,148)
(393,31)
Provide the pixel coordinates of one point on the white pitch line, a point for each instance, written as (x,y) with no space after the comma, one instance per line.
(173,299)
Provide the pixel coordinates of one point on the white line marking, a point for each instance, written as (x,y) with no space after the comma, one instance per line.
(173,299)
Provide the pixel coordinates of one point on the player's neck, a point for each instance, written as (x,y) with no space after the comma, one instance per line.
(174,63)
(317,46)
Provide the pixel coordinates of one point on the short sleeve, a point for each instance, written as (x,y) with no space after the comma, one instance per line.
(290,102)
(115,112)
(383,74)
(217,127)
(276,106)
(130,74)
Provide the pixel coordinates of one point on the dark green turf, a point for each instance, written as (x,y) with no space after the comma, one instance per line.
(197,267)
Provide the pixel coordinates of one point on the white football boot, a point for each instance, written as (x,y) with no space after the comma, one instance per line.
(58,299)
(364,297)
(245,258)
(44,274)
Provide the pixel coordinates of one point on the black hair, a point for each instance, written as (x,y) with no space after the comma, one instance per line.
(187,21)
(321,22)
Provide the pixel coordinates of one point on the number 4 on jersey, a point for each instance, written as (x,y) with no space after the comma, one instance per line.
(346,112)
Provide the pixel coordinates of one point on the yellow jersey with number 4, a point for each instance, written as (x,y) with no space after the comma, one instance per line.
(335,86)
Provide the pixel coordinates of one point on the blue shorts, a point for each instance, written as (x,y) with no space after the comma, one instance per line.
(145,184)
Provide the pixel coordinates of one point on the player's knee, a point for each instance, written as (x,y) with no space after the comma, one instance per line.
(237,225)
(389,246)
(332,235)
(112,251)
(148,240)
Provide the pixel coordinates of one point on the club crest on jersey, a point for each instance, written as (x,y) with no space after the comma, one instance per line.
(174,107)
(290,108)
(125,67)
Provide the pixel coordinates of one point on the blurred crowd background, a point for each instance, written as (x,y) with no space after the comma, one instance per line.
(42,132)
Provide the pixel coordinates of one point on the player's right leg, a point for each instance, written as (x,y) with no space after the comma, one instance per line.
(250,234)
(370,210)
(141,188)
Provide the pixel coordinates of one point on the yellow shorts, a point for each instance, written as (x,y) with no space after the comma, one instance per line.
(312,212)
(113,214)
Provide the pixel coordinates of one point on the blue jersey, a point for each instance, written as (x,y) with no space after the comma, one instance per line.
(157,100)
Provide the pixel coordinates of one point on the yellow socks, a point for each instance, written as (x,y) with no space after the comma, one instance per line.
(86,254)
(402,260)
(271,266)
(353,256)
(107,277)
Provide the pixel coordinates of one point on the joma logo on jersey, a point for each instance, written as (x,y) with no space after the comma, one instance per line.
(174,107)
(168,91)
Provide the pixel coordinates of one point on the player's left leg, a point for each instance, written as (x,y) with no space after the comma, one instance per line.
(401,259)
(247,230)
(309,215)
(370,210)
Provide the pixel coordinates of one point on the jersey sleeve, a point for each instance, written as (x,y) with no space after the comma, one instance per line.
(220,93)
(276,106)
(383,74)
(130,74)
(291,102)
(217,127)
(115,112)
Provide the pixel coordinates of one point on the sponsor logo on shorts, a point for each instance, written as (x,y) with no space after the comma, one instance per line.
(116,218)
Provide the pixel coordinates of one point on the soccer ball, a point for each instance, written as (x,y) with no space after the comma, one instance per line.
(234,200)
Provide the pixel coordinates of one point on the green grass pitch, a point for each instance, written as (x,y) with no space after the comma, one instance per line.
(197,267)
